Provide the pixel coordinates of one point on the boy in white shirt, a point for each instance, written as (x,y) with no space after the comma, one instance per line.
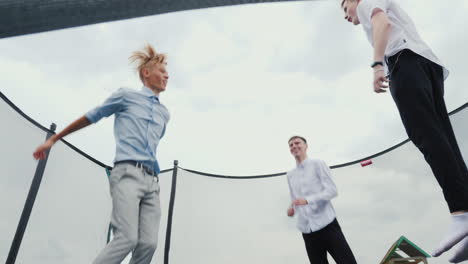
(416,79)
(312,188)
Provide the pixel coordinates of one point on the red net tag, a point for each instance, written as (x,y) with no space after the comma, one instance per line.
(366,163)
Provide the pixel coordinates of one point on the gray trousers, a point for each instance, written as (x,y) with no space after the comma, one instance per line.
(136,214)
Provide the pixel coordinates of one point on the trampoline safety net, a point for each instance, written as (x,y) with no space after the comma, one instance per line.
(216,218)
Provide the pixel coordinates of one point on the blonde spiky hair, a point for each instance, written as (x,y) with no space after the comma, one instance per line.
(148,57)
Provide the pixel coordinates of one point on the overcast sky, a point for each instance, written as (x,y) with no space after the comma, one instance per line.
(243,80)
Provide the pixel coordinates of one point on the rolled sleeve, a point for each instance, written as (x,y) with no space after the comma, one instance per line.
(113,104)
(367,7)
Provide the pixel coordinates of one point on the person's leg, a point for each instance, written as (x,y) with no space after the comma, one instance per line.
(124,186)
(444,119)
(460,179)
(337,245)
(315,248)
(417,89)
(412,89)
(459,222)
(150,216)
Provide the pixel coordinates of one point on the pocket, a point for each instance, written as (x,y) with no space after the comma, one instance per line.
(157,188)
(117,173)
(393,70)
(393,77)
(140,112)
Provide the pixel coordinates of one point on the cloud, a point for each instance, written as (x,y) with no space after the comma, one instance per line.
(243,80)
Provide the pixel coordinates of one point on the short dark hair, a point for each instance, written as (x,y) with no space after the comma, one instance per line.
(342,2)
(299,137)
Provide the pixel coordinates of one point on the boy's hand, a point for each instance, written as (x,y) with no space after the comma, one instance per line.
(39,153)
(380,81)
(300,201)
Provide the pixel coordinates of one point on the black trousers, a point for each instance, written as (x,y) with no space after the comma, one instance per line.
(417,87)
(328,239)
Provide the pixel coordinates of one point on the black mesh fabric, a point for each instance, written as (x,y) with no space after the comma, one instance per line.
(20,17)
(216,218)
(70,217)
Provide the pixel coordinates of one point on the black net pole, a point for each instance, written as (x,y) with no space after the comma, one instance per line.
(167,247)
(23,222)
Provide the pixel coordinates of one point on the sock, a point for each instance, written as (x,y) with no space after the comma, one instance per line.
(458,230)
(461,253)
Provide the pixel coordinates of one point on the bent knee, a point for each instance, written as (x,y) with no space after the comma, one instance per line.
(148,245)
(130,242)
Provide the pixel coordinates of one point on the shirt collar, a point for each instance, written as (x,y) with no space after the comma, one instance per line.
(303,163)
(147,91)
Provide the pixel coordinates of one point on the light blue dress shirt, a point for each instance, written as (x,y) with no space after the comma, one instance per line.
(311,180)
(140,123)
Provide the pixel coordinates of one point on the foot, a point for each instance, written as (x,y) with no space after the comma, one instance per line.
(458,230)
(461,252)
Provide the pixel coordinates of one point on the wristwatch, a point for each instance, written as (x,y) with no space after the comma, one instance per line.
(376,63)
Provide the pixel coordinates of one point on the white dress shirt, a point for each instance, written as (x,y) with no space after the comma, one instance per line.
(403,33)
(311,180)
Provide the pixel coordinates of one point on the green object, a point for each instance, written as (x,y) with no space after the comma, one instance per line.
(404,245)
